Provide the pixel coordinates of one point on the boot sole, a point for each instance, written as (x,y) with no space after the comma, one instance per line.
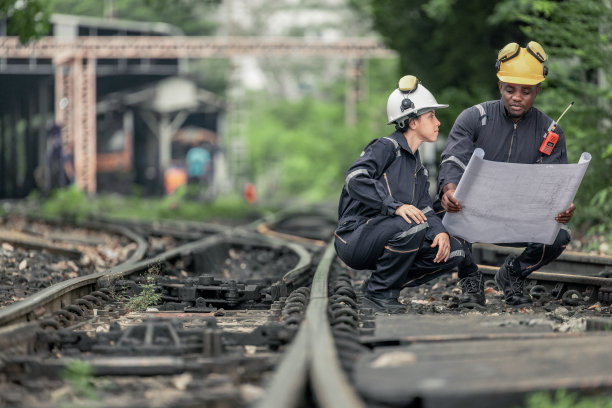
(472,305)
(367,303)
(528,303)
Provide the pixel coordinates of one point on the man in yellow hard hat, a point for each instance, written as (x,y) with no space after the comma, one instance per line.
(509,130)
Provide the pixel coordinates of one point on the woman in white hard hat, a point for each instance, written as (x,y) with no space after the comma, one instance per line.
(386,220)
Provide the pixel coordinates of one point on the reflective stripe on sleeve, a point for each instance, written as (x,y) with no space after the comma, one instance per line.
(353,174)
(427,209)
(454,160)
(395,144)
(483,115)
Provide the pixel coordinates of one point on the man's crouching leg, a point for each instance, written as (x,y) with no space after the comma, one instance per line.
(510,278)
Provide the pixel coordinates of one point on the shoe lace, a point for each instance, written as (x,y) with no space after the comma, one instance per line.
(516,284)
(470,284)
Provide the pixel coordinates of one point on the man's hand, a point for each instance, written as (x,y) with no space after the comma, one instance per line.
(407,211)
(565,216)
(449,202)
(442,241)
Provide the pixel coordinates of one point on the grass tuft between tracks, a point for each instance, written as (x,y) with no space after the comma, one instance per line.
(74,205)
(566,399)
(146,298)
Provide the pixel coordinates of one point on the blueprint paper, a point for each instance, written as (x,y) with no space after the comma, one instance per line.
(513,202)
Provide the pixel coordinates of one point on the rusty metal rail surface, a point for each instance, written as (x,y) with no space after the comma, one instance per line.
(312,357)
(55,297)
(315,227)
(187,229)
(576,263)
(572,289)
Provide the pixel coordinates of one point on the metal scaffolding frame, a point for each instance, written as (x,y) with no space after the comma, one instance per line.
(74,65)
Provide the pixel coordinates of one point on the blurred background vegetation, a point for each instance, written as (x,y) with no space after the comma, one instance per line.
(299,143)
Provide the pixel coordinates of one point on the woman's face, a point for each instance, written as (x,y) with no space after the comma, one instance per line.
(427,126)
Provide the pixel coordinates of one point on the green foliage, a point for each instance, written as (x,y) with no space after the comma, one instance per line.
(147,297)
(68,203)
(302,149)
(27,19)
(79,375)
(564,399)
(71,204)
(575,35)
(191,16)
(450,45)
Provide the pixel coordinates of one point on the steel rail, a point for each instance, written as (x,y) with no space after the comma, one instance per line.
(312,355)
(56,297)
(329,382)
(572,262)
(142,244)
(27,241)
(556,277)
(269,224)
(167,227)
(287,387)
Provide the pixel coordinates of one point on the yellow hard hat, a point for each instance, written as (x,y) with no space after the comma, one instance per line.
(518,65)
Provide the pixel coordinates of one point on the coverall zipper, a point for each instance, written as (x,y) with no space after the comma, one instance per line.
(387,181)
(416,170)
(511,142)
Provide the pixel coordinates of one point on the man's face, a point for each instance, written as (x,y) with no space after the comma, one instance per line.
(518,99)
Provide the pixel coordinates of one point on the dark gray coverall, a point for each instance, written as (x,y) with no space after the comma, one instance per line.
(489,127)
(387,175)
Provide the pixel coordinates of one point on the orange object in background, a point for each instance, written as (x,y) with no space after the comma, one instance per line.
(174,177)
(249,193)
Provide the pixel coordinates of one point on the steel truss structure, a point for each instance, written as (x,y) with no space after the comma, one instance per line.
(74,64)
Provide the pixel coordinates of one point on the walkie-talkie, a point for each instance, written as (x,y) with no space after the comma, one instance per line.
(551,138)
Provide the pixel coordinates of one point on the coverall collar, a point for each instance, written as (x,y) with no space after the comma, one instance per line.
(401,139)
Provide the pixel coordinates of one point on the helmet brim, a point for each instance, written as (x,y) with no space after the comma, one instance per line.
(419,112)
(520,80)
(430,108)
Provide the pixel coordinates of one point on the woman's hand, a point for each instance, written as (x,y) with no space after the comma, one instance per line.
(407,211)
(442,241)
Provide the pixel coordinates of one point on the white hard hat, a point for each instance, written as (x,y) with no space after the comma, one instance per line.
(410,98)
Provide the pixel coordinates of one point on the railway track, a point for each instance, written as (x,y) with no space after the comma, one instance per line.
(265,315)
(37,255)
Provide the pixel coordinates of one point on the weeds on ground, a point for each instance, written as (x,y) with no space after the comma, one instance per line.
(79,374)
(147,297)
(565,399)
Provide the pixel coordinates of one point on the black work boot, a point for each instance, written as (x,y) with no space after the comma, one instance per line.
(473,295)
(382,304)
(510,281)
